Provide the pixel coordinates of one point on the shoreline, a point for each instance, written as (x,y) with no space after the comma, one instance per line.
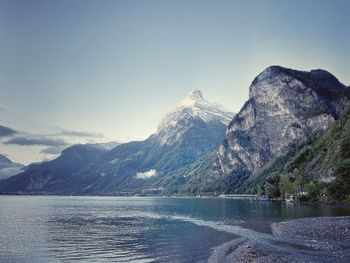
(305,240)
(243,197)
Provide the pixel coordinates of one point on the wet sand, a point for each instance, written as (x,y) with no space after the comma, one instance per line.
(320,239)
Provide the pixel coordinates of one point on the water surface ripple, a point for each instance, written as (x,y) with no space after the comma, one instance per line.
(134,229)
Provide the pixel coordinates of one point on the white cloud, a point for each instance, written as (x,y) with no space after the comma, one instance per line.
(146,175)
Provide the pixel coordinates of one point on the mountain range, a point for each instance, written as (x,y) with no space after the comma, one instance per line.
(192,130)
(200,147)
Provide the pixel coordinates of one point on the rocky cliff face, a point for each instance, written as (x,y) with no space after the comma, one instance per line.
(285,108)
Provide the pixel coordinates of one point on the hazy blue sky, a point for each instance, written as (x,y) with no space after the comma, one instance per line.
(114,68)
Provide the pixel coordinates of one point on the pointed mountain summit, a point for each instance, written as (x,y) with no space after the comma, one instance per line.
(204,109)
(193,97)
(192,107)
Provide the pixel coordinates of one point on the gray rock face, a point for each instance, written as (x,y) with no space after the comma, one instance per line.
(285,108)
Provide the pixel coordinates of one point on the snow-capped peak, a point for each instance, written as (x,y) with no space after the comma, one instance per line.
(193,97)
(191,107)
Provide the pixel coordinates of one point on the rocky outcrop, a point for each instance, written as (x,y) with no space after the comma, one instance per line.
(285,108)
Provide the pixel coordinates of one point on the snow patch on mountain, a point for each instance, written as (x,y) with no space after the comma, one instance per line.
(103,146)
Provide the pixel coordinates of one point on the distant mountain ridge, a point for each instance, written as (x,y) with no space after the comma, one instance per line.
(42,178)
(9,168)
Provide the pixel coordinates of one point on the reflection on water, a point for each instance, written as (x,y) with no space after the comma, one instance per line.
(114,229)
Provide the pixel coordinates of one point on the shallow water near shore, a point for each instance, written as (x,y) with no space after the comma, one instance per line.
(135,229)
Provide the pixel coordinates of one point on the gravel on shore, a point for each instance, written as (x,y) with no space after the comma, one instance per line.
(317,228)
(311,240)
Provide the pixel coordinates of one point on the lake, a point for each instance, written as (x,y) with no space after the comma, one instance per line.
(133,229)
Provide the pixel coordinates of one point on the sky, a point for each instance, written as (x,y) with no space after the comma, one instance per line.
(96,71)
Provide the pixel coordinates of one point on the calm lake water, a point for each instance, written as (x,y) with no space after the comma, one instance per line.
(132,229)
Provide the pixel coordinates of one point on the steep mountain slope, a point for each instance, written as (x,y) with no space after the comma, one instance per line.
(285,108)
(8,168)
(320,168)
(195,128)
(51,177)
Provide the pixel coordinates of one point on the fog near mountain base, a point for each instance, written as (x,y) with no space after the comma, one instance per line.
(146,175)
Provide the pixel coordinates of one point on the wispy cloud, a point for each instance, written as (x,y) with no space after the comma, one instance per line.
(47,145)
(146,175)
(83,134)
(53,150)
(35,141)
(6,131)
